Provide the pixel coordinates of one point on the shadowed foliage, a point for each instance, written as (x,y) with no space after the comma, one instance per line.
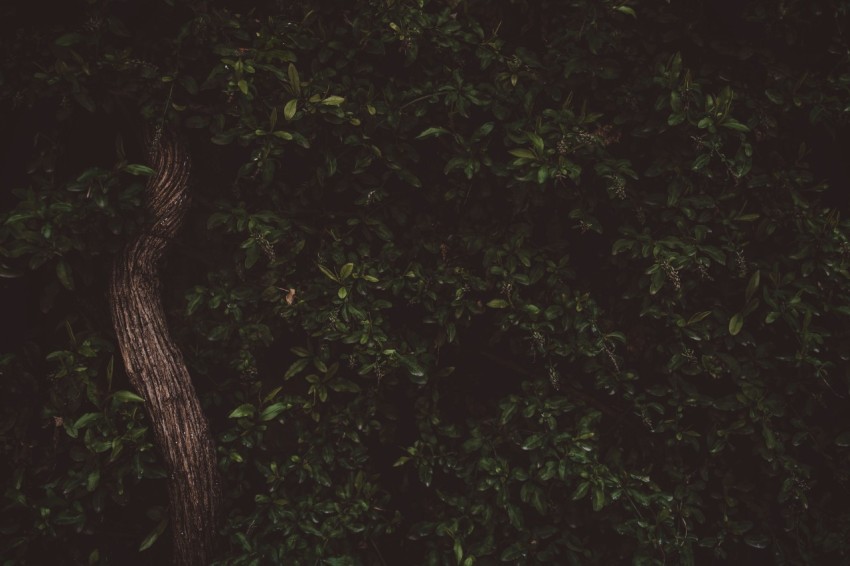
(461,282)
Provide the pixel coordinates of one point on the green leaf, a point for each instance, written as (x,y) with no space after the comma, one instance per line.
(701,161)
(346,270)
(272,411)
(675,119)
(290,109)
(219,332)
(581,490)
(533,441)
(718,256)
(136,169)
(14,218)
(92,480)
(294,79)
(626,10)
(296,368)
(154,535)
(86,419)
(598,498)
(410,178)
(483,131)
(328,273)
(413,368)
(243,410)
(333,101)
(497,303)
(243,86)
(342,293)
(431,133)
(523,153)
(513,553)
(536,141)
(656,282)
(284,135)
(748,217)
(753,285)
(124,396)
(735,125)
(698,317)
(344,385)
(63,272)
(735,324)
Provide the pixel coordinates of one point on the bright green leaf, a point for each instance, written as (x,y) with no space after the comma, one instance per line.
(736,323)
(271,411)
(243,410)
(136,169)
(333,101)
(328,273)
(290,109)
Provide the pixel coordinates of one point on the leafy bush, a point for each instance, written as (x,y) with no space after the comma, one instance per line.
(464,282)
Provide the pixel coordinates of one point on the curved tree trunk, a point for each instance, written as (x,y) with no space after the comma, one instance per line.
(155,365)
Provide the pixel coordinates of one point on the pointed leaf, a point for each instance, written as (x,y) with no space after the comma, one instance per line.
(346,270)
(242,410)
(753,285)
(63,272)
(272,411)
(333,101)
(294,79)
(432,133)
(524,153)
(328,273)
(290,109)
(154,534)
(127,396)
(735,324)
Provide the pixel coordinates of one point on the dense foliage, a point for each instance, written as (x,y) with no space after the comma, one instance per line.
(464,282)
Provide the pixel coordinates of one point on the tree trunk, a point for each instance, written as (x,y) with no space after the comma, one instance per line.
(155,365)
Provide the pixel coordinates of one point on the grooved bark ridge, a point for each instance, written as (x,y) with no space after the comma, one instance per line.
(155,365)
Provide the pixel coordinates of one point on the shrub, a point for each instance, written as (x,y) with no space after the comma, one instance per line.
(464,281)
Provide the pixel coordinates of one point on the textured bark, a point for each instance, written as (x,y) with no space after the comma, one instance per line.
(155,365)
